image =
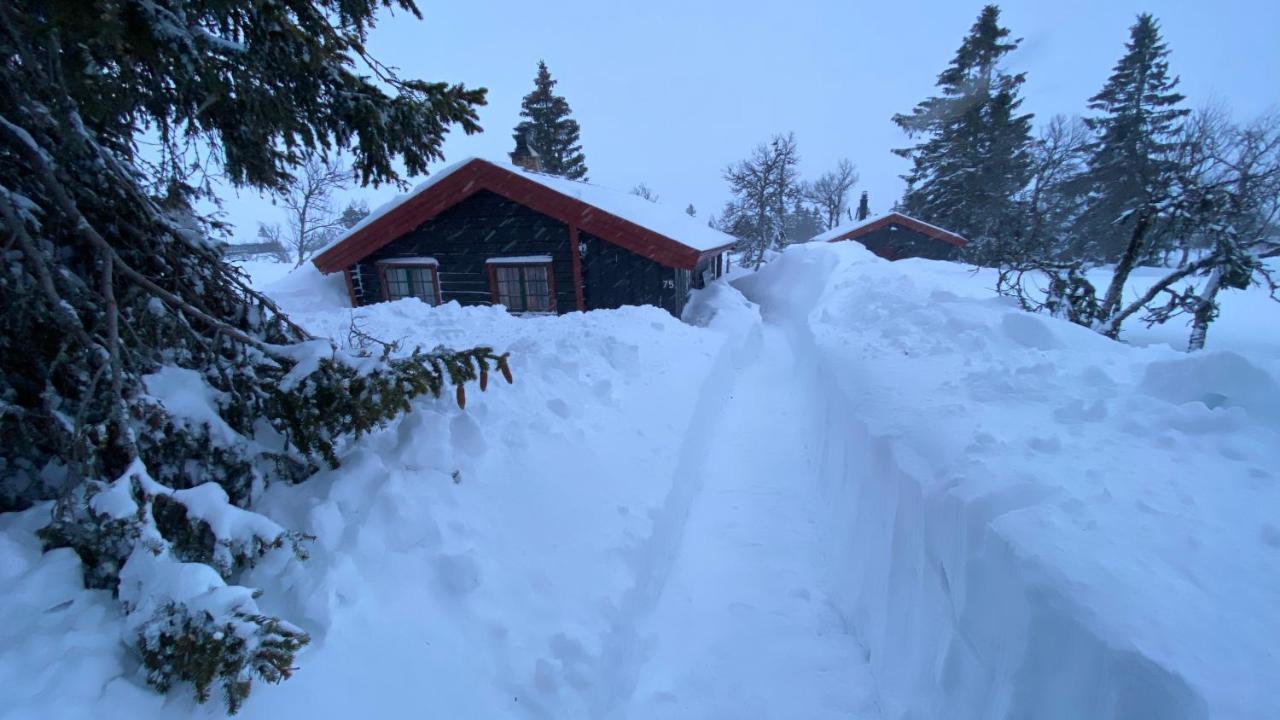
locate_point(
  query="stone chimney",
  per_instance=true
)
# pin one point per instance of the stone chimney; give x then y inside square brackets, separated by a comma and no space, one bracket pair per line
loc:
[524,156]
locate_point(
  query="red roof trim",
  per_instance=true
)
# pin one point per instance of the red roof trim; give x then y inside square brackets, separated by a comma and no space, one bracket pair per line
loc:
[906,221]
[478,175]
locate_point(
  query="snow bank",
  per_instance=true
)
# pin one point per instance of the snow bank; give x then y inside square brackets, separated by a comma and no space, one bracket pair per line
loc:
[1033,521]
[473,563]
[1020,519]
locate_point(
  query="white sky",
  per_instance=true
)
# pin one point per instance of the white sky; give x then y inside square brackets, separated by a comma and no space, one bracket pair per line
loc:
[670,92]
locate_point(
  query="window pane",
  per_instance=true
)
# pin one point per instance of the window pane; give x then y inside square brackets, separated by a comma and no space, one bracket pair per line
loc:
[509,293]
[419,282]
[397,283]
[424,286]
[537,289]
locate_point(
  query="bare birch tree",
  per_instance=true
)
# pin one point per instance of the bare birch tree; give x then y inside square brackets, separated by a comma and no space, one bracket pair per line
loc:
[762,187]
[313,218]
[830,192]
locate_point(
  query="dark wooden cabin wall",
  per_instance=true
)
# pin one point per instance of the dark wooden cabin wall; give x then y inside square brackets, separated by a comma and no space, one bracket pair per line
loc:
[614,277]
[462,238]
[895,243]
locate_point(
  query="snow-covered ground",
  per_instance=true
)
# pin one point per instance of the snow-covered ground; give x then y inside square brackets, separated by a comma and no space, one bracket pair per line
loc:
[847,488]
[1038,522]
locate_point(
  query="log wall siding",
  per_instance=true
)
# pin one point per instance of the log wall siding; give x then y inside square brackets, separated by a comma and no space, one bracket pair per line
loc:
[613,277]
[484,225]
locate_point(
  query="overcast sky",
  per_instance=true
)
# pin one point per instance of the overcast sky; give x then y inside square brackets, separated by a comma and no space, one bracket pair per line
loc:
[670,92]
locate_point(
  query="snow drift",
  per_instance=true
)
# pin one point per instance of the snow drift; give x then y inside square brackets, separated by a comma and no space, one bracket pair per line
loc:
[846,488]
[1032,521]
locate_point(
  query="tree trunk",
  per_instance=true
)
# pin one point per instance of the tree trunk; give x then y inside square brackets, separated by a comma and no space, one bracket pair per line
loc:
[1128,261]
[764,239]
[1206,311]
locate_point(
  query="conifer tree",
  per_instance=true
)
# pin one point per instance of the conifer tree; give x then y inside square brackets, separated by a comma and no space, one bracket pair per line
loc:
[1132,158]
[973,157]
[549,131]
[112,282]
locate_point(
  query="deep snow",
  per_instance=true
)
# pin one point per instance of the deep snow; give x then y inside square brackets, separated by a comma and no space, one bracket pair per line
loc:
[1038,522]
[847,488]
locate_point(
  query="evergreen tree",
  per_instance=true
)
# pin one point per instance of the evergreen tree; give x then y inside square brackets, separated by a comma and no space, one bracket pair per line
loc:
[352,215]
[802,223]
[973,158]
[691,211]
[1132,158]
[111,279]
[549,131]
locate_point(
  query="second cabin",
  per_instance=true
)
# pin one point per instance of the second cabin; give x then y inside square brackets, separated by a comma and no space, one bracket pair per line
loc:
[895,236]
[487,233]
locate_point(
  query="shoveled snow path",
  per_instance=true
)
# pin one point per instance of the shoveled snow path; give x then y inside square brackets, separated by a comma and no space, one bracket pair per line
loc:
[740,625]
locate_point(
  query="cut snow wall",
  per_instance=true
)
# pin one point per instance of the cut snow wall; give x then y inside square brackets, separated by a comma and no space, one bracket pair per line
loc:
[958,625]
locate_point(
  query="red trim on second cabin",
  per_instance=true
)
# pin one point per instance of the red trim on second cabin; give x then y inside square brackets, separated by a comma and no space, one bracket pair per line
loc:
[479,175]
[906,221]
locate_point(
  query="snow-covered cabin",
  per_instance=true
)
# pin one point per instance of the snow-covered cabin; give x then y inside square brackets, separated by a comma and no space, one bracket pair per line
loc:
[895,236]
[483,232]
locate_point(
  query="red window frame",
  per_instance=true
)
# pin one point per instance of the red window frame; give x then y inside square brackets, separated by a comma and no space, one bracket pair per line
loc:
[495,296]
[382,278]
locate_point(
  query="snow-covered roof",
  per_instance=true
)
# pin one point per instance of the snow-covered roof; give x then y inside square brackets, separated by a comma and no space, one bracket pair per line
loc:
[668,221]
[842,231]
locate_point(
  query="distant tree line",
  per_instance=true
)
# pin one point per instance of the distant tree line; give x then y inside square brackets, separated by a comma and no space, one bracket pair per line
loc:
[772,207]
[1140,180]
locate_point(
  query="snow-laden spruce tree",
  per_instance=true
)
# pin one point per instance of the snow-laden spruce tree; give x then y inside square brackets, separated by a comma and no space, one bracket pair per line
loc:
[1133,157]
[549,130]
[1155,179]
[114,293]
[1223,198]
[973,158]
